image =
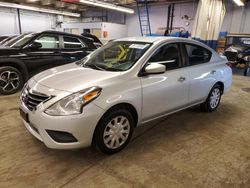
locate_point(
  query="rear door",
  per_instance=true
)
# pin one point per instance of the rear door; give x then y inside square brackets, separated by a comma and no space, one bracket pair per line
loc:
[202,74]
[166,92]
[73,49]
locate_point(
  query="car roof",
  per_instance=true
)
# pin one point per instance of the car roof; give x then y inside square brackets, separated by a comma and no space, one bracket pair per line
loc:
[60,33]
[152,39]
[164,39]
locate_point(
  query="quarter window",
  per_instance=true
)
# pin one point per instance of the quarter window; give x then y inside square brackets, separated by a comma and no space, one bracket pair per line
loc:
[48,41]
[168,55]
[197,54]
[71,42]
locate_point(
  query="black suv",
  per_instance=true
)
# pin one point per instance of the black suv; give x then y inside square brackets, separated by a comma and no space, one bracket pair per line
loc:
[35,52]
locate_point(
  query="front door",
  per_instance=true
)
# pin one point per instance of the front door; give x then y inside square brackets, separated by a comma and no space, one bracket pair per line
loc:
[45,57]
[167,92]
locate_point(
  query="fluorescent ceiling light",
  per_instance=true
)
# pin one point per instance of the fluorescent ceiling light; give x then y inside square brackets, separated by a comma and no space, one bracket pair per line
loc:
[239,2]
[107,5]
[23,7]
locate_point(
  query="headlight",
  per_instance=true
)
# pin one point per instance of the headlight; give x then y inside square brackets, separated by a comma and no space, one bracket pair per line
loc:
[73,104]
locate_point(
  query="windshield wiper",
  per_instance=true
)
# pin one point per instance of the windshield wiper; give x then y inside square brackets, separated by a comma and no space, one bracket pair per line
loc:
[96,67]
[93,66]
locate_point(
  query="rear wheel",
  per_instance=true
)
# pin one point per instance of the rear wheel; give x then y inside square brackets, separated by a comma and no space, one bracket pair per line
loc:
[213,100]
[11,80]
[114,131]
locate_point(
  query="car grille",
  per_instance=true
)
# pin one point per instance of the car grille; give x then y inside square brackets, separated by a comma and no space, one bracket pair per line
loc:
[231,56]
[31,99]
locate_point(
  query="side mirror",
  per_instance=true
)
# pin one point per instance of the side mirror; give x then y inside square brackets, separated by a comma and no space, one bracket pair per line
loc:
[155,68]
[35,46]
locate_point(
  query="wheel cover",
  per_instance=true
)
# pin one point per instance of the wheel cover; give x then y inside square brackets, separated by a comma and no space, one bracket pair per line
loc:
[9,81]
[116,132]
[215,98]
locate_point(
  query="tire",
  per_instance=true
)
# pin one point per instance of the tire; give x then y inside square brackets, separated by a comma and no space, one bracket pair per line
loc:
[113,130]
[213,99]
[11,80]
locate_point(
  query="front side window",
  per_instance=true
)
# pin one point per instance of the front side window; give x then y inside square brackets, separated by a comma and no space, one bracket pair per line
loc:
[197,54]
[71,42]
[116,56]
[168,55]
[48,41]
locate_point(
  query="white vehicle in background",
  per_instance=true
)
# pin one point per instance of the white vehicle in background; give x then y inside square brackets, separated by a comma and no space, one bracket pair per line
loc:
[128,82]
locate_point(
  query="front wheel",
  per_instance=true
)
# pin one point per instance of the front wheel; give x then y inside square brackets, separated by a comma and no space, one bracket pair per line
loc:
[213,99]
[11,80]
[114,131]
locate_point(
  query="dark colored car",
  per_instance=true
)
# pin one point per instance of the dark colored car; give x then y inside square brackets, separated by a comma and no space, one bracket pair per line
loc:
[238,52]
[35,52]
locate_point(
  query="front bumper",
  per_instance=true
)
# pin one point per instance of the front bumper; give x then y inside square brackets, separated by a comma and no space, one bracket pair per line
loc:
[81,126]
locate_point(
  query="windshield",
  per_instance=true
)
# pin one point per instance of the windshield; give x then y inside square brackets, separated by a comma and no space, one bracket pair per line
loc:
[20,40]
[116,56]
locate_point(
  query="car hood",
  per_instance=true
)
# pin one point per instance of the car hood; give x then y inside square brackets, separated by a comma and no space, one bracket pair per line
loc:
[73,78]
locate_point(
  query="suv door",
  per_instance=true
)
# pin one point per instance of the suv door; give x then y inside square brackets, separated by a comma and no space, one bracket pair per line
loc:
[45,55]
[201,72]
[73,49]
[166,92]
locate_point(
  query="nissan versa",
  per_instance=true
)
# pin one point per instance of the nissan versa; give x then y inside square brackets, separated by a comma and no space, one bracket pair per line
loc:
[100,99]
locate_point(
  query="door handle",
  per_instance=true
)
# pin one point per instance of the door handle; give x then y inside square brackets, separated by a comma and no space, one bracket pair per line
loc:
[213,72]
[181,79]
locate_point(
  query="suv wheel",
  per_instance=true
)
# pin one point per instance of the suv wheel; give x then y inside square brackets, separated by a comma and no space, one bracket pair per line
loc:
[11,80]
[213,99]
[114,131]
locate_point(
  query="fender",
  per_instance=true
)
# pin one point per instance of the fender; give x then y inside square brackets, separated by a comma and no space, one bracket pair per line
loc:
[17,63]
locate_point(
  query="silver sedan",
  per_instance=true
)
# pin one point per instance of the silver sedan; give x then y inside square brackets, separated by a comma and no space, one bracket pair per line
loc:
[100,99]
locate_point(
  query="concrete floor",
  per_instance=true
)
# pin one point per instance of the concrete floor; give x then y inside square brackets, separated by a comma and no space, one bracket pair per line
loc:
[187,149]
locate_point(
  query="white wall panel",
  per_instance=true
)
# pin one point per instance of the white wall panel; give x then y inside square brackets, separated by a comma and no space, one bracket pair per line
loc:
[237,19]
[35,22]
[8,21]
[30,21]
[115,31]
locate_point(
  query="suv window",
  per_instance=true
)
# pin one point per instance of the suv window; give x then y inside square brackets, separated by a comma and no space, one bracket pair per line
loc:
[71,42]
[197,54]
[48,41]
[168,55]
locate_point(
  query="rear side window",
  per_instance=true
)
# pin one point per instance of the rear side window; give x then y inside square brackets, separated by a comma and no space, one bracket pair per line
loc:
[48,41]
[168,55]
[71,42]
[197,54]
